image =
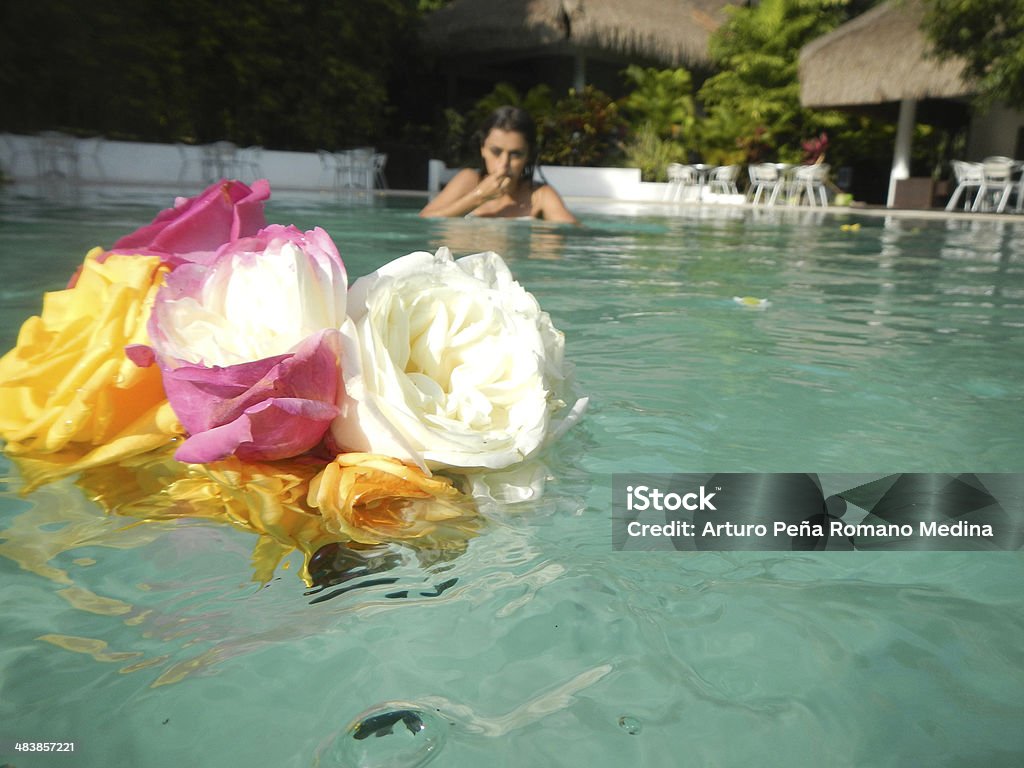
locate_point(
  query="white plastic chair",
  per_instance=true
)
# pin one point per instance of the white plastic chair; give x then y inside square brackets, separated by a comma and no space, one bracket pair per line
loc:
[723,180]
[438,174]
[380,160]
[1020,187]
[766,179]
[224,155]
[995,182]
[968,177]
[679,178]
[811,180]
[329,175]
[247,162]
[361,170]
[56,156]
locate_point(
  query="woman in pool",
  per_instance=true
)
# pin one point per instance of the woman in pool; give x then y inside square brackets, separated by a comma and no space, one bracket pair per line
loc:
[504,187]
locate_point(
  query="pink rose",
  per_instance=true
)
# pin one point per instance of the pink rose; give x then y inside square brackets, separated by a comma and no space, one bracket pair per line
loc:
[197,226]
[249,345]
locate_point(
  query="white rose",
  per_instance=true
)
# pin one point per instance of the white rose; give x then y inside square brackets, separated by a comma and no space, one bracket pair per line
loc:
[448,364]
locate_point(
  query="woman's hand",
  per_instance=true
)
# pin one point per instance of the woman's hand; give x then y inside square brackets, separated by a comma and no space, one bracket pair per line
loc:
[466,192]
[493,186]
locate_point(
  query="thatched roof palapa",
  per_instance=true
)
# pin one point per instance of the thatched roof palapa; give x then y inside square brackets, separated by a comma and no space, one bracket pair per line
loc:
[880,56]
[673,32]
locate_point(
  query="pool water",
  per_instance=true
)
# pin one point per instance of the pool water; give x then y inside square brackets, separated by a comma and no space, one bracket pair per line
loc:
[894,345]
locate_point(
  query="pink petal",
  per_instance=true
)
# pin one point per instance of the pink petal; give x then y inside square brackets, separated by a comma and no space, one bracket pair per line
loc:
[222,408]
[141,354]
[273,429]
[223,212]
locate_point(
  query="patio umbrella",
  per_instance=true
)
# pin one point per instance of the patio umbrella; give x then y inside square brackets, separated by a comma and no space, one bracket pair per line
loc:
[670,32]
[881,56]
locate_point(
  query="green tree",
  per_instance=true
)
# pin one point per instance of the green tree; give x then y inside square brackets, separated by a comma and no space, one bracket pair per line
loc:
[753,102]
[663,99]
[292,74]
[537,101]
[989,35]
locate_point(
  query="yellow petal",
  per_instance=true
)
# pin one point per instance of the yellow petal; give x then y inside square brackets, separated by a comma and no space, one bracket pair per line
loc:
[373,499]
[68,388]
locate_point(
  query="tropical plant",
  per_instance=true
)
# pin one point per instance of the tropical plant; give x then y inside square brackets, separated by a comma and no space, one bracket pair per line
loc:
[455,149]
[652,154]
[584,128]
[989,35]
[662,99]
[537,101]
[459,141]
[755,96]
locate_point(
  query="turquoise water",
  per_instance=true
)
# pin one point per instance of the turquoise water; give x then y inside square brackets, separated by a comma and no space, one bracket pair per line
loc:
[896,347]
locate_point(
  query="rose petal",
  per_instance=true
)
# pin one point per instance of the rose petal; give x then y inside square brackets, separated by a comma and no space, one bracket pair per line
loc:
[267,409]
[272,429]
[140,354]
[223,212]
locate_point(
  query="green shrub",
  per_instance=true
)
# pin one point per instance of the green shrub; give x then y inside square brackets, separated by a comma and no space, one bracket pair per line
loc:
[663,99]
[652,154]
[584,128]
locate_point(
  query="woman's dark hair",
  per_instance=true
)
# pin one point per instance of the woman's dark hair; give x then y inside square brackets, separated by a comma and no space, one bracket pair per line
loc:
[511,119]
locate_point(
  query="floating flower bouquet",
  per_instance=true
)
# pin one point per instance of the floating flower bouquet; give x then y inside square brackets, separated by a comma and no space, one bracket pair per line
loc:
[212,365]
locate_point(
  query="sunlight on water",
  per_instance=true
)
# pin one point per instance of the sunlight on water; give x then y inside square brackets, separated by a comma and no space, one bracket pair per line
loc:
[889,348]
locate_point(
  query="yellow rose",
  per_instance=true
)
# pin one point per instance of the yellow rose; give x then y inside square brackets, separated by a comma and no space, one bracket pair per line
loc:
[67,389]
[371,499]
[358,497]
[266,499]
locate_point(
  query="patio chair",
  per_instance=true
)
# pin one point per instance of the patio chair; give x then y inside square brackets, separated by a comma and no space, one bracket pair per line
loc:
[439,174]
[330,176]
[380,160]
[679,177]
[766,179]
[995,182]
[723,180]
[968,177]
[361,171]
[56,156]
[247,162]
[1020,189]
[811,180]
[1016,185]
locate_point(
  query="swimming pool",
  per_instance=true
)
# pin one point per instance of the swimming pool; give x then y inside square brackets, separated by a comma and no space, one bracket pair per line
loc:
[895,345]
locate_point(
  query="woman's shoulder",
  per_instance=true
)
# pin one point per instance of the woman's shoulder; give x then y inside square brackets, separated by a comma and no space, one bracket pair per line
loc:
[466,174]
[464,180]
[542,192]
[540,189]
[548,204]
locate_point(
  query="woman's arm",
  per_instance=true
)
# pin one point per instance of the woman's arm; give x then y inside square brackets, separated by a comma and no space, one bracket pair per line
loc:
[551,207]
[464,193]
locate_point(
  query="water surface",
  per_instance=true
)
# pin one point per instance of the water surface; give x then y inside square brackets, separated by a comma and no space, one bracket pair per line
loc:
[894,347]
